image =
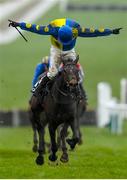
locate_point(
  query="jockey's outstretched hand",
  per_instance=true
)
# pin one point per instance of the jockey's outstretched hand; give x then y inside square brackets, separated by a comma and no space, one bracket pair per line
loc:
[13,23]
[116,31]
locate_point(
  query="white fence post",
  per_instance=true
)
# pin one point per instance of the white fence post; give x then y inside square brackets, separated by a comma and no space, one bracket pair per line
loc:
[104,94]
[15,118]
[63,5]
[123,91]
[116,119]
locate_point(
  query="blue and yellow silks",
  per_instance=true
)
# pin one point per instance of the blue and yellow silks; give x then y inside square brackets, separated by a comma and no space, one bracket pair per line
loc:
[53,28]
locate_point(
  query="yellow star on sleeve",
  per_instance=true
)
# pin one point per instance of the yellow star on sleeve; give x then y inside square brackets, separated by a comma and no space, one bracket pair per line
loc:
[38,27]
[92,30]
[28,25]
[75,32]
[101,29]
[46,29]
[83,29]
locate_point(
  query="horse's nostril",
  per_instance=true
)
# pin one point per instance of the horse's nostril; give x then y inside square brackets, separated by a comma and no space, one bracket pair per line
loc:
[73,82]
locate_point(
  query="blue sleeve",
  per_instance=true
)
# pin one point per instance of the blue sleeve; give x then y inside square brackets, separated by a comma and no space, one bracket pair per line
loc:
[90,32]
[43,30]
[40,68]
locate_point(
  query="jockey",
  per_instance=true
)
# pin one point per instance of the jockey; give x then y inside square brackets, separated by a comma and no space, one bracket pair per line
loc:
[64,33]
[39,70]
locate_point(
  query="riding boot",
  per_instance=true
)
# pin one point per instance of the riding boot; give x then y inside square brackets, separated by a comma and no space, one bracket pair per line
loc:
[40,90]
[83,100]
[81,93]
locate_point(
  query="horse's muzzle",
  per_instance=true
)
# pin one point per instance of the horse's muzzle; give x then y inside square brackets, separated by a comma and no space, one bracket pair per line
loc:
[73,82]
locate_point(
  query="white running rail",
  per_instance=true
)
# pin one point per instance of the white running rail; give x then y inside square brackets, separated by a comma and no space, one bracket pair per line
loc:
[33,14]
[109,110]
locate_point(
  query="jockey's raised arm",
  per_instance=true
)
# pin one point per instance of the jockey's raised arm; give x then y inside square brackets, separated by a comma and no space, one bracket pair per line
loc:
[91,32]
[43,30]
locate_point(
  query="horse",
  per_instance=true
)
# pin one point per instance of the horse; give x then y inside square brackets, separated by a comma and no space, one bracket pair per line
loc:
[60,107]
[41,115]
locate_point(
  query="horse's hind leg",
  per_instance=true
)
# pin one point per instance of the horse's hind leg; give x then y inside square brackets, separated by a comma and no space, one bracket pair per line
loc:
[72,142]
[40,158]
[63,134]
[35,140]
[54,148]
[33,105]
[80,137]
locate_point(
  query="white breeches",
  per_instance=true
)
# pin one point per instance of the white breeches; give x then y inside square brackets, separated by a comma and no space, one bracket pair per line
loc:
[55,59]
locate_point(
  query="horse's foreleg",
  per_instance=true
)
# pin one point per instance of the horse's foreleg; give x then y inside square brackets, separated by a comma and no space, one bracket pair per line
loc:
[40,158]
[54,148]
[63,134]
[80,110]
[58,137]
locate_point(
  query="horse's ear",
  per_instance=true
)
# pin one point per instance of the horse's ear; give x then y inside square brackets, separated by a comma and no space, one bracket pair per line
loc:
[77,58]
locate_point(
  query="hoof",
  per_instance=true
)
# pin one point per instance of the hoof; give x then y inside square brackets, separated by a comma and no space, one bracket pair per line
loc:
[53,163]
[64,158]
[40,160]
[72,142]
[52,157]
[35,148]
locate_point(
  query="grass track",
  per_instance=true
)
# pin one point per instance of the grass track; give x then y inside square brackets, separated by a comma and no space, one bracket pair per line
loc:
[101,156]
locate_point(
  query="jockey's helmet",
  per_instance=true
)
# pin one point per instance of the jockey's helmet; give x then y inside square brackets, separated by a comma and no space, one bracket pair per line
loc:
[65,35]
[45,59]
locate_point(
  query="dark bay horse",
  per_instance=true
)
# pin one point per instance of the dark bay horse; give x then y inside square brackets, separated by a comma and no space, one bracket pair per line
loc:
[60,106]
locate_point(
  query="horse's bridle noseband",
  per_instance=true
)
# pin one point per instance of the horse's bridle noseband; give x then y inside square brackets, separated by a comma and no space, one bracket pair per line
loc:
[71,80]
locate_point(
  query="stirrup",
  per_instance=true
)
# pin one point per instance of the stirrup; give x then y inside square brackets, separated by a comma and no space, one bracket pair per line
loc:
[33,89]
[35,86]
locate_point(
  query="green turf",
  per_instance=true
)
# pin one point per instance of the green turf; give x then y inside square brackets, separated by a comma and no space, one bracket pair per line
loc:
[102,155]
[104,59]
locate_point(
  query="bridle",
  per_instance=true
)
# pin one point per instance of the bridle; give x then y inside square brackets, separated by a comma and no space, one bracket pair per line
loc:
[71,74]
[70,77]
